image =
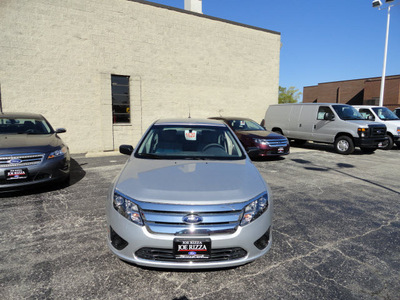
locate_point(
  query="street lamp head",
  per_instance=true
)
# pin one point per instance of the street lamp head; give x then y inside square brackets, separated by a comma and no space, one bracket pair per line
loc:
[377,3]
[388,1]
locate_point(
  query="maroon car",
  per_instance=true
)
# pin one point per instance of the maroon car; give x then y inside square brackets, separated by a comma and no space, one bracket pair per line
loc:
[256,139]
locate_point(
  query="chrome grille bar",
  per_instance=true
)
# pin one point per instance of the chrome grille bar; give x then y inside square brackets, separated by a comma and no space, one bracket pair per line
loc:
[28,159]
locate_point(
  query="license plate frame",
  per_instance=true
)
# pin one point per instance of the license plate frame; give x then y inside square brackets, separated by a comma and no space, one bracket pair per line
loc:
[192,249]
[281,150]
[16,174]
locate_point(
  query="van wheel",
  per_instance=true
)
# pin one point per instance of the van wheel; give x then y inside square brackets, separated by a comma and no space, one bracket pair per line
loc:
[388,144]
[344,145]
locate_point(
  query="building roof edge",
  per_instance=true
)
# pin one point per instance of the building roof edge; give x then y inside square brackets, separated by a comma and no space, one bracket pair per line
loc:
[204,16]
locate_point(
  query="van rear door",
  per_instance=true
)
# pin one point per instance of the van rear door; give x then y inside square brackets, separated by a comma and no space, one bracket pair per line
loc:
[301,121]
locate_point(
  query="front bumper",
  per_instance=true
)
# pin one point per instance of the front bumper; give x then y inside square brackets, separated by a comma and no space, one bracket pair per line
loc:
[369,142]
[139,240]
[49,170]
[264,150]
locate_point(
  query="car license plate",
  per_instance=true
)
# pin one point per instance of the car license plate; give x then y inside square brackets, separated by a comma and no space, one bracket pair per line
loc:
[16,174]
[281,150]
[192,248]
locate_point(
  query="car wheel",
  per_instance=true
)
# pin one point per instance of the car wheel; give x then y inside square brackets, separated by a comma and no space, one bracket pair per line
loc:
[388,144]
[344,145]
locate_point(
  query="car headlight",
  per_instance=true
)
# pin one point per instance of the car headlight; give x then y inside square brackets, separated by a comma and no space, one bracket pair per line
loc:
[60,152]
[261,141]
[363,132]
[128,209]
[255,209]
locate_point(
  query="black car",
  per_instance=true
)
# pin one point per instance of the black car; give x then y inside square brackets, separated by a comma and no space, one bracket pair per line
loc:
[31,152]
[256,139]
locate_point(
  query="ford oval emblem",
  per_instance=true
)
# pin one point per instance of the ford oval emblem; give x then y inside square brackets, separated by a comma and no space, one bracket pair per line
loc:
[15,161]
[192,219]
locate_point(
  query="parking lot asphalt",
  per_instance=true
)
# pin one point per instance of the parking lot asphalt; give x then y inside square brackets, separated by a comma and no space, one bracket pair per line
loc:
[336,235]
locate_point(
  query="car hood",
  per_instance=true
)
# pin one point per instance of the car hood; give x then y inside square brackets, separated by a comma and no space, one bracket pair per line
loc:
[365,122]
[25,143]
[260,134]
[190,182]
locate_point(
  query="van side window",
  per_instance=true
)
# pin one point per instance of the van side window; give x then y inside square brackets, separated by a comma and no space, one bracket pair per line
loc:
[322,111]
[366,113]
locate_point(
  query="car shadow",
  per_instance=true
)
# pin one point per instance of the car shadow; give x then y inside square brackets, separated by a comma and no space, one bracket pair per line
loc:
[328,148]
[268,158]
[77,174]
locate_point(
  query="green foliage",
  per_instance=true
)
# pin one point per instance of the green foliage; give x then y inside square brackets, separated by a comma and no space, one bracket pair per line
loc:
[289,95]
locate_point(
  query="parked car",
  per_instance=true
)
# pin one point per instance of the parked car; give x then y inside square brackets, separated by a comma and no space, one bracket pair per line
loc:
[31,152]
[188,198]
[256,139]
[386,116]
[332,123]
[397,112]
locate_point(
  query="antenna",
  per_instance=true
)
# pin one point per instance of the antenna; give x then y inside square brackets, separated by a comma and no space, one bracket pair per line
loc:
[189,111]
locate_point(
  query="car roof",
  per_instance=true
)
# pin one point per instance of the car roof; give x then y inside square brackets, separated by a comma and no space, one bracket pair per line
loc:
[366,106]
[20,115]
[189,121]
[230,118]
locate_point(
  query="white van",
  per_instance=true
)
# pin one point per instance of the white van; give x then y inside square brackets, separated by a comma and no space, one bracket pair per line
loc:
[338,124]
[386,116]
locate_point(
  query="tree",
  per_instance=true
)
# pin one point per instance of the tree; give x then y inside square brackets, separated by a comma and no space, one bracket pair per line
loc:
[288,95]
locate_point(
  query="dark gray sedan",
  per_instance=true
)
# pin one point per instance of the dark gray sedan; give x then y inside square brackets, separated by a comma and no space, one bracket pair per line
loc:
[31,152]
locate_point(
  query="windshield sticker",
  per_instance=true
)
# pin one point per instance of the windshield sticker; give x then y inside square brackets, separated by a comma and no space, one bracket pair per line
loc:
[190,135]
[242,123]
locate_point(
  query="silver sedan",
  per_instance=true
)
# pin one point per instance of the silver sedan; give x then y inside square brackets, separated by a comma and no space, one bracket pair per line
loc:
[189,197]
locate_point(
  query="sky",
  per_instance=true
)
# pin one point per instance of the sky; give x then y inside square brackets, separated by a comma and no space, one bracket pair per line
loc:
[323,40]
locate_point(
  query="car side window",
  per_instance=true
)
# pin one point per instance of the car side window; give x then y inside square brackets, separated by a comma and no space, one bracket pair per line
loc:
[366,113]
[322,110]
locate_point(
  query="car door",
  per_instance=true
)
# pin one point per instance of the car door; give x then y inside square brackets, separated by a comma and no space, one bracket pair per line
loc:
[367,114]
[324,128]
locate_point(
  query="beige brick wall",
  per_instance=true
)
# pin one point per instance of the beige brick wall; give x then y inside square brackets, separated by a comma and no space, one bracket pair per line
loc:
[57,58]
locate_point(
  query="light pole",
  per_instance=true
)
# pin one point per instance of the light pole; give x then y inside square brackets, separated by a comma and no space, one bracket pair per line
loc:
[378,3]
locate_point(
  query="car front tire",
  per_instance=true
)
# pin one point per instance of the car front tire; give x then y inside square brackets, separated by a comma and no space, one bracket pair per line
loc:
[344,145]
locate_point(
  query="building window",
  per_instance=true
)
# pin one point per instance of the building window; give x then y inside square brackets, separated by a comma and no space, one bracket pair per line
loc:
[121,106]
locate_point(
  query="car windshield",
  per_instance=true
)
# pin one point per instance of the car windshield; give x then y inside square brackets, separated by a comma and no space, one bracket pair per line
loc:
[189,142]
[346,112]
[385,113]
[245,125]
[24,126]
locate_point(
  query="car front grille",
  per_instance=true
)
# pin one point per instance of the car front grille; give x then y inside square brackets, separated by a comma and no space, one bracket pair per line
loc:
[378,131]
[171,218]
[278,143]
[20,160]
[157,254]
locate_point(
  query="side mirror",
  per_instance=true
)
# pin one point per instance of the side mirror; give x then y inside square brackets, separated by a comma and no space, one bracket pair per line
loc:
[61,130]
[329,116]
[371,118]
[126,149]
